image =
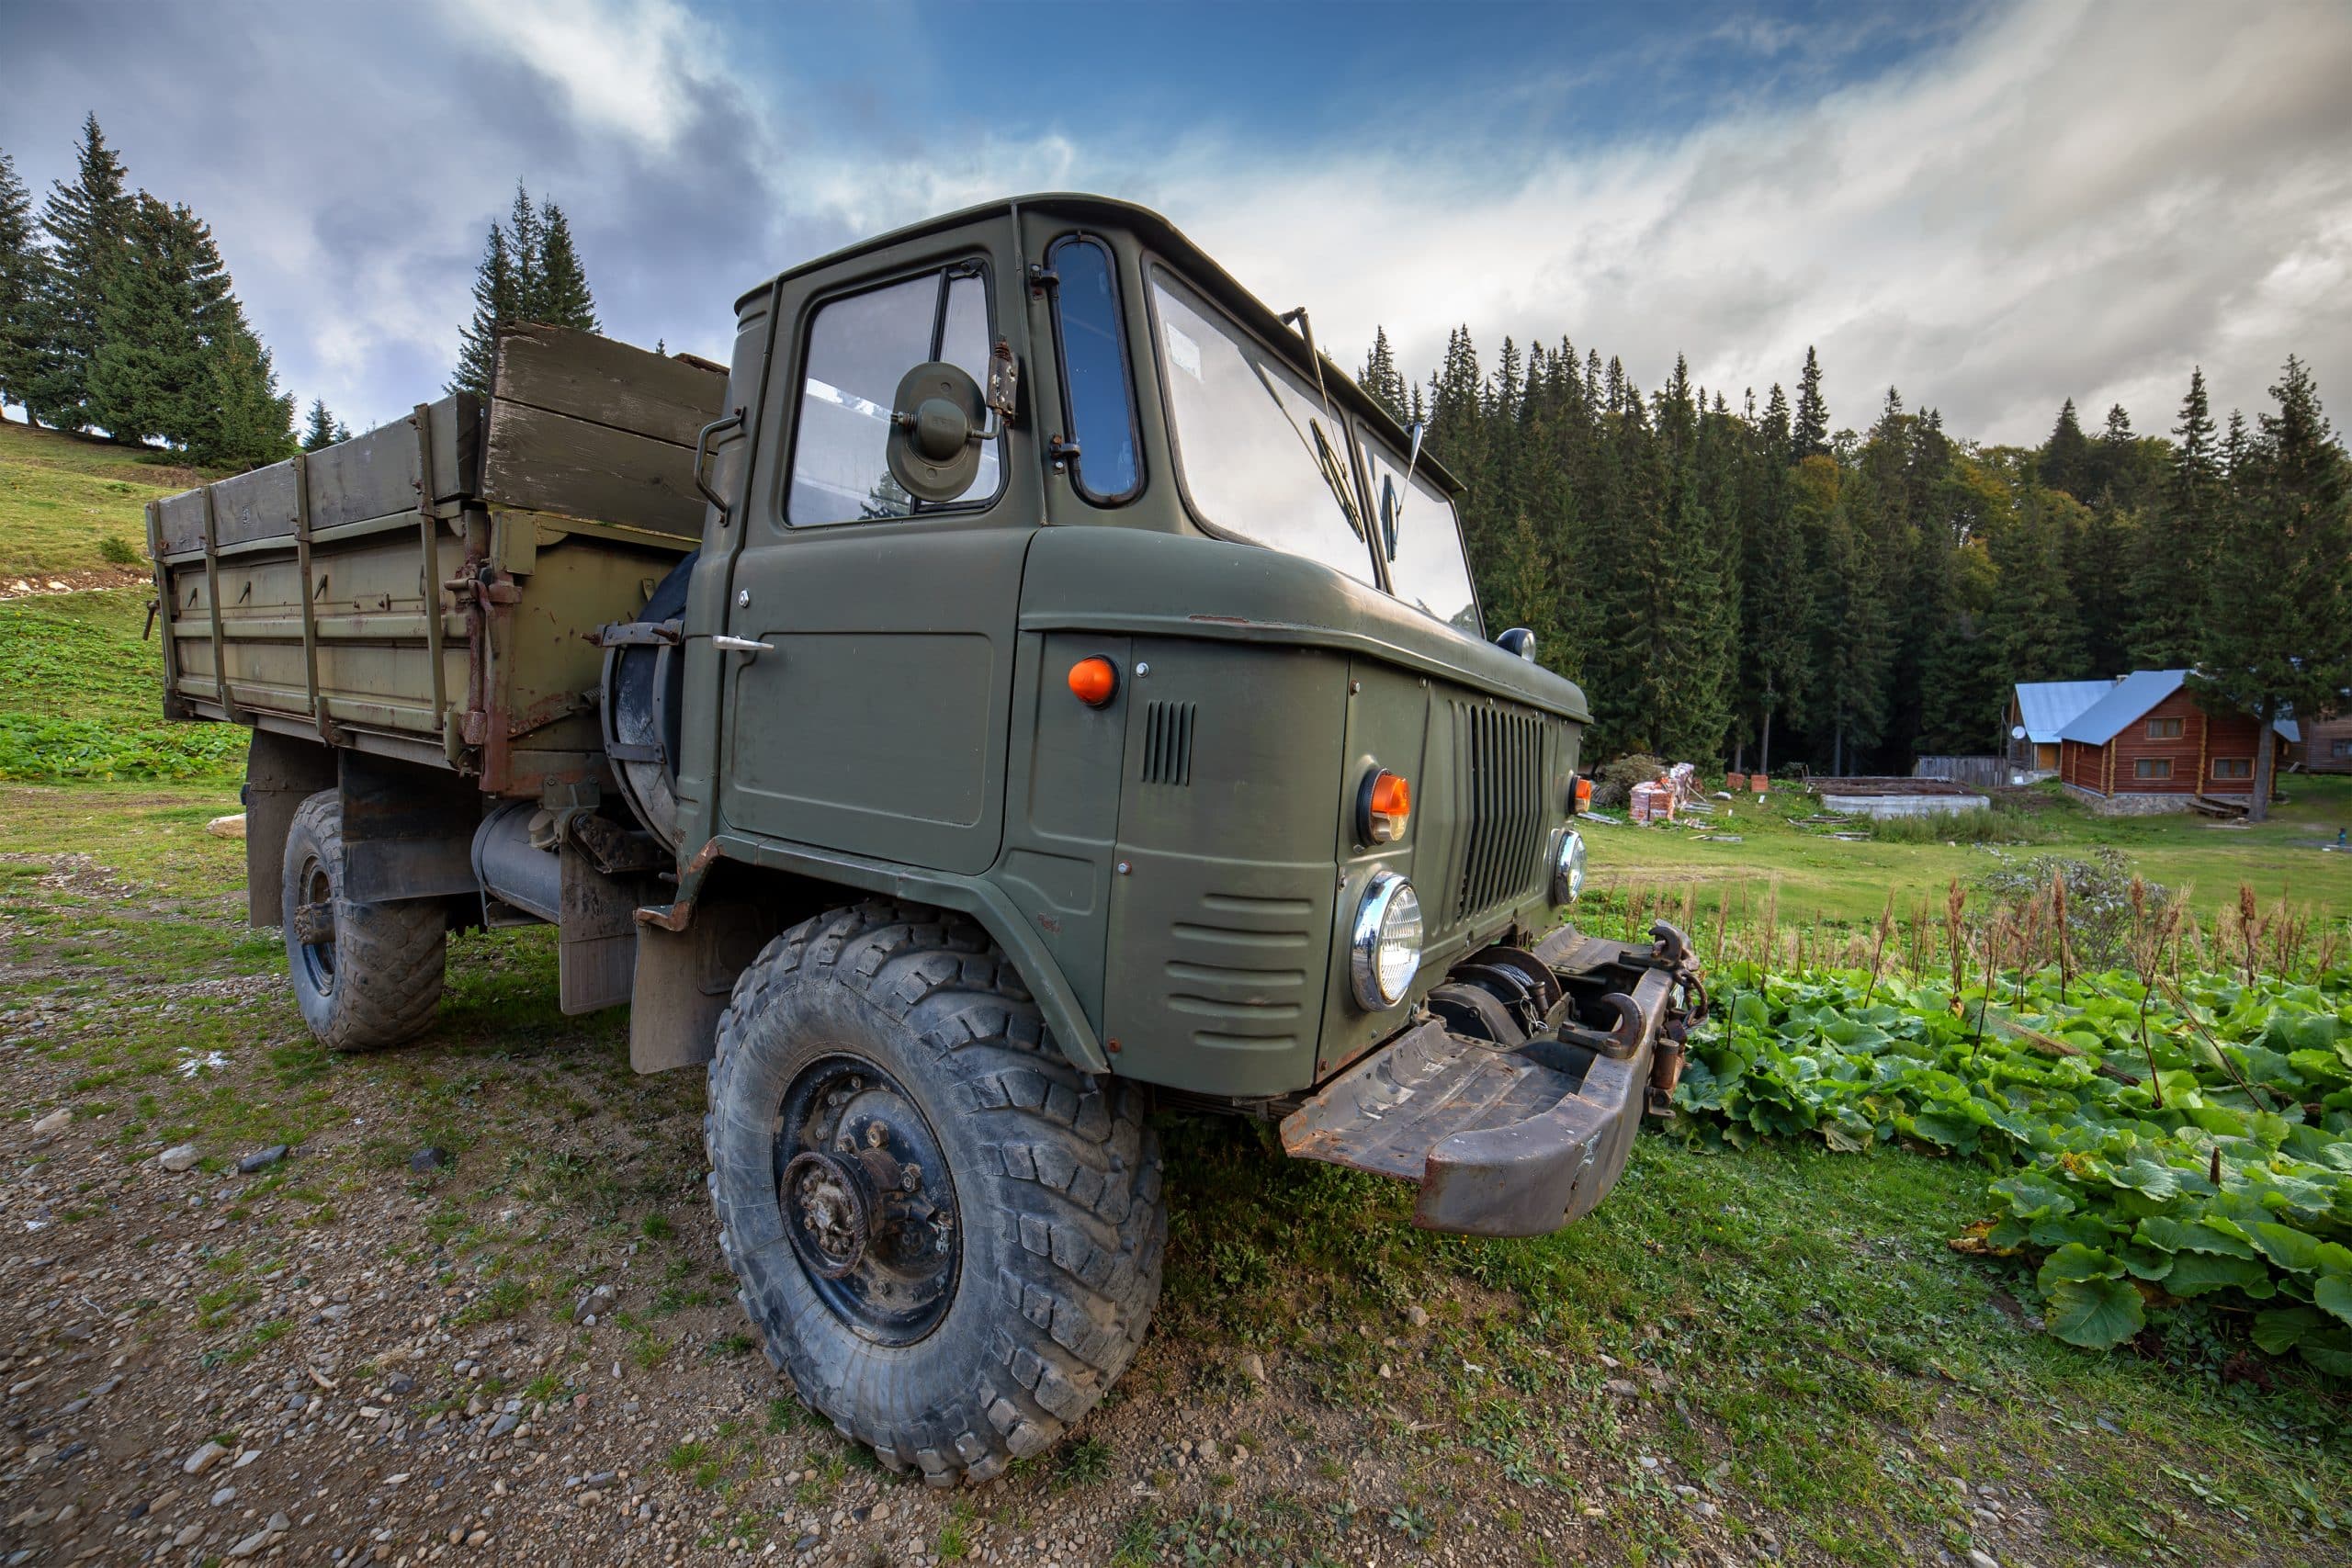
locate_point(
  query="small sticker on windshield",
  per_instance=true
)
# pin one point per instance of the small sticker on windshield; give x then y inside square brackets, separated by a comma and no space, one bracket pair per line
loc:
[1184,354]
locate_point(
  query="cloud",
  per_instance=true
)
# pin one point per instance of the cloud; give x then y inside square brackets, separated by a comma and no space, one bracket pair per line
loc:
[621,65]
[2030,203]
[2069,202]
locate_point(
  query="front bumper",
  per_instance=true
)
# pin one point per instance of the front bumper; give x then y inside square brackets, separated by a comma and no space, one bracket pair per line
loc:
[1524,1127]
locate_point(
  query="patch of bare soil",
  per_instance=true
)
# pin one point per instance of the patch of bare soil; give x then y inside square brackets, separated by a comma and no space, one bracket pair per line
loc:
[37,585]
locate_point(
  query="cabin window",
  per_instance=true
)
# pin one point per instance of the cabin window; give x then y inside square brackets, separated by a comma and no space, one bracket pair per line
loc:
[860,347]
[1095,389]
[2165,728]
[2340,748]
[2233,767]
[2153,767]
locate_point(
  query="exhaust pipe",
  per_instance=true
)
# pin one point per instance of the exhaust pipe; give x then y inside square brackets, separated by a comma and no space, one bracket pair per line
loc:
[512,869]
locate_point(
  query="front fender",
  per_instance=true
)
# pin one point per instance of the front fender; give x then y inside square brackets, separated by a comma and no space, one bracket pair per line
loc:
[979,899]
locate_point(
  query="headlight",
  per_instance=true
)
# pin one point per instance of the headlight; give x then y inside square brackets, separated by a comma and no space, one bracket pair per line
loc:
[1568,871]
[1384,949]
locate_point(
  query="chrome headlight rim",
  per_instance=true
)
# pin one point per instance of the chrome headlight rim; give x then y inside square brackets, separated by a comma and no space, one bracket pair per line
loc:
[1568,868]
[1380,896]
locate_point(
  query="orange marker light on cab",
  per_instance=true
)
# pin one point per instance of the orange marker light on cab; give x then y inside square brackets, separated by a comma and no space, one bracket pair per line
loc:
[1384,807]
[1093,680]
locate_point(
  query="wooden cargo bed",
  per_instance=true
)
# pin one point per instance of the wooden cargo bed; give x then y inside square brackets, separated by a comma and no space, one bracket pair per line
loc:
[430,589]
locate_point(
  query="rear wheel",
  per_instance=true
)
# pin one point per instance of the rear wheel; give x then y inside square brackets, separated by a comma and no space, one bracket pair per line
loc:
[950,1237]
[366,975]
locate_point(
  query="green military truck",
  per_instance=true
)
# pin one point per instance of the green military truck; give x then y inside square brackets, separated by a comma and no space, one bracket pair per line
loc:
[1028,686]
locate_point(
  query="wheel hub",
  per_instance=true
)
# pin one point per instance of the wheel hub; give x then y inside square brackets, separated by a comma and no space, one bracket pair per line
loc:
[862,1189]
[313,927]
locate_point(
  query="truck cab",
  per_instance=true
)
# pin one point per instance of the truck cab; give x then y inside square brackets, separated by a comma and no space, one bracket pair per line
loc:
[1187,505]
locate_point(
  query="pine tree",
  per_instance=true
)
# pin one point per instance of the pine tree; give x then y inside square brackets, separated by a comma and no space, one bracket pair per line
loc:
[1380,375]
[2066,455]
[320,429]
[1776,602]
[87,223]
[563,300]
[2279,635]
[2036,631]
[147,380]
[526,251]
[496,307]
[23,277]
[530,273]
[251,422]
[2170,572]
[1810,436]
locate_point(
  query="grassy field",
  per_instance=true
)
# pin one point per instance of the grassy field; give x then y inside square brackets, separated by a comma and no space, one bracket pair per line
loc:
[1849,881]
[68,503]
[1773,1354]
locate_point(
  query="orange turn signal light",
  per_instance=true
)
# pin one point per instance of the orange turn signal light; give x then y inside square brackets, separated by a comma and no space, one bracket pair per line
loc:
[1093,680]
[1384,807]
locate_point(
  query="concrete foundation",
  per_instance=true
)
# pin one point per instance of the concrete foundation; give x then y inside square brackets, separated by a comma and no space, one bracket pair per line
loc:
[2128,804]
[1903,805]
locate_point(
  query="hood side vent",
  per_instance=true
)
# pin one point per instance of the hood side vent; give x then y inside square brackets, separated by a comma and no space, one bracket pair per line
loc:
[1168,743]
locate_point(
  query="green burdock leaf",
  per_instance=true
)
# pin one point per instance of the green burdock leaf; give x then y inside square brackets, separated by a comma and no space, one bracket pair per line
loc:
[2287,1246]
[2321,1066]
[2194,1273]
[2031,1195]
[2144,1175]
[2281,1329]
[1945,1125]
[2074,1263]
[2096,1314]
[2330,1351]
[2333,1292]
[2060,1229]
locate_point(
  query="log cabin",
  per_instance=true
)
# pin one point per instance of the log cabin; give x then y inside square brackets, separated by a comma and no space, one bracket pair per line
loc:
[2147,746]
[2039,711]
[2327,745]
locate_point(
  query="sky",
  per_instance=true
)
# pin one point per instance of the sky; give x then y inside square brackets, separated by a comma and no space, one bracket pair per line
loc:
[1990,206]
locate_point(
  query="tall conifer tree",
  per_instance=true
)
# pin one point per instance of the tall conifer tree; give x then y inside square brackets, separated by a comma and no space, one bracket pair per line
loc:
[563,298]
[24,268]
[496,307]
[2170,568]
[87,223]
[2278,636]
[1809,437]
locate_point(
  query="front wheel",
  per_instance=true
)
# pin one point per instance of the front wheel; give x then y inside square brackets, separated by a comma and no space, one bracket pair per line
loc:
[950,1237]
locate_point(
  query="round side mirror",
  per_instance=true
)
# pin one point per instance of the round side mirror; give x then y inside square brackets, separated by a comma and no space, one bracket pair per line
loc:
[1518,640]
[936,421]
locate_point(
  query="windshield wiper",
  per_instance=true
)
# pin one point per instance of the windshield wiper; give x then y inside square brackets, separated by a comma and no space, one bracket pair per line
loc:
[1318,446]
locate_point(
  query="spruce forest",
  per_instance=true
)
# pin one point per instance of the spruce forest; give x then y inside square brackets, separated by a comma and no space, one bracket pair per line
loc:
[1754,585]
[118,315]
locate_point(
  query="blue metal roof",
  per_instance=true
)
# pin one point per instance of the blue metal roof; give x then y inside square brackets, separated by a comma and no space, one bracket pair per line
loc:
[2128,698]
[2045,708]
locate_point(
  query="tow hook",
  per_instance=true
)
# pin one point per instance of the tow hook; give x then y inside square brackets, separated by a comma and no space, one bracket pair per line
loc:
[1671,951]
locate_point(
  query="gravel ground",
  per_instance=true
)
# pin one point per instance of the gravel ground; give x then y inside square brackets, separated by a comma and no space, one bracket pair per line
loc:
[465,1300]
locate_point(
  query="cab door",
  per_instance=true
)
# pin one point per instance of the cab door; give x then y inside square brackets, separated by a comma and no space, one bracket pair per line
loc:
[873,716]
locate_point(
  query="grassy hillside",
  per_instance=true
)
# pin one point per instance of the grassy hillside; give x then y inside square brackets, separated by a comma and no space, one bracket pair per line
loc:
[82,696]
[68,503]
[1841,879]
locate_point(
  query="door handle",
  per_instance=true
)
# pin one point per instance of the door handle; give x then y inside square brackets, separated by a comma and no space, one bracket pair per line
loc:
[741,645]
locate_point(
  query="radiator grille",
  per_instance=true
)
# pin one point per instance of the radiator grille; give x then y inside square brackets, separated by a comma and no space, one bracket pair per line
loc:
[1499,760]
[1168,743]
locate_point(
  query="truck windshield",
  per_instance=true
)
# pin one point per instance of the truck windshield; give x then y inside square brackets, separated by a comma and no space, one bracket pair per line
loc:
[1259,457]
[1426,565]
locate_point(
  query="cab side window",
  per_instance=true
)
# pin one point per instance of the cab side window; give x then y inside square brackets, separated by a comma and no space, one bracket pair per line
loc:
[1092,335]
[860,347]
